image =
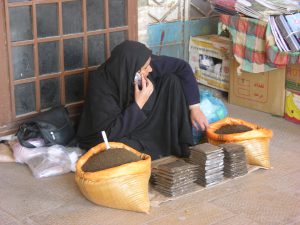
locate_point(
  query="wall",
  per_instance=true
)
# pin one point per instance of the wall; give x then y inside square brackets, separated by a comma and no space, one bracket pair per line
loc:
[165,26]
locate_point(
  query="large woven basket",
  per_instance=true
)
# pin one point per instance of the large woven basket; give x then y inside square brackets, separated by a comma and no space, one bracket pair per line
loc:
[256,141]
[121,187]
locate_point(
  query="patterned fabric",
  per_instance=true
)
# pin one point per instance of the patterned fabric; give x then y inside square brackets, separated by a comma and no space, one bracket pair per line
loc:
[254,46]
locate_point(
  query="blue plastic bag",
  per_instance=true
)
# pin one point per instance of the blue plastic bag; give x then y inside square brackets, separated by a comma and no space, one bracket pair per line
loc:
[212,107]
[214,110]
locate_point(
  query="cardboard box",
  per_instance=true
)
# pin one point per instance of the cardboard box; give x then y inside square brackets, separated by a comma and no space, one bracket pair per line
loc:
[261,91]
[209,57]
[292,97]
[292,106]
[293,77]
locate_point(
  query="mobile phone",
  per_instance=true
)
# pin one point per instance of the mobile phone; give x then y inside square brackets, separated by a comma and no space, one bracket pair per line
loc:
[138,79]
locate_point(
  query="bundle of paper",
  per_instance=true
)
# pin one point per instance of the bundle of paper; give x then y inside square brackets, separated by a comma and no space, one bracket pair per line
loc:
[278,35]
[175,178]
[235,163]
[259,9]
[286,31]
[292,22]
[283,6]
[252,9]
[210,161]
[224,6]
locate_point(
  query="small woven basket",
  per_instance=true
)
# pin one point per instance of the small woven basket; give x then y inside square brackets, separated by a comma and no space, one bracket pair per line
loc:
[256,141]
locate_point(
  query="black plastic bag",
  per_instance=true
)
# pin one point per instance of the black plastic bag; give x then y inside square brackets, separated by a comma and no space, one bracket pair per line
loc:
[54,126]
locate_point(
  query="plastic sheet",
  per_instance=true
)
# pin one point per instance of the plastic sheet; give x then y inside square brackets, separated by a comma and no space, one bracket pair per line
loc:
[212,107]
[47,161]
[214,110]
[53,161]
[23,154]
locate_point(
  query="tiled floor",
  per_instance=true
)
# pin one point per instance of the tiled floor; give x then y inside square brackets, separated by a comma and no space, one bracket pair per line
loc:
[262,197]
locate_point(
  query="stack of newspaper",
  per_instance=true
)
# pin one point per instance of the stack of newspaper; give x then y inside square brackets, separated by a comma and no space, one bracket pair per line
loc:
[286,31]
[259,9]
[224,6]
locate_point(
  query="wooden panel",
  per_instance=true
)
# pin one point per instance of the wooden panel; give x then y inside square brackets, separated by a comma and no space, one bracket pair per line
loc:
[167,38]
[132,19]
[9,119]
[165,33]
[5,115]
[173,38]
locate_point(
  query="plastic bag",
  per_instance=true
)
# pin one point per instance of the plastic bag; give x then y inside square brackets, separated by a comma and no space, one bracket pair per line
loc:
[212,107]
[214,110]
[23,154]
[53,160]
[74,154]
[121,187]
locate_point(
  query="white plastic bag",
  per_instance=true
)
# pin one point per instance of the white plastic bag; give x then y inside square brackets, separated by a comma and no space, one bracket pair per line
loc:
[54,161]
[74,153]
[23,154]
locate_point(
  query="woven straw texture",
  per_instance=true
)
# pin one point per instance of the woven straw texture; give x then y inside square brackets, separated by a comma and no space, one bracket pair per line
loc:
[256,141]
[121,187]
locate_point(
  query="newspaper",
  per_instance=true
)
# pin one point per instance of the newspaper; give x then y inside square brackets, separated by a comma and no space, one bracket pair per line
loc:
[259,9]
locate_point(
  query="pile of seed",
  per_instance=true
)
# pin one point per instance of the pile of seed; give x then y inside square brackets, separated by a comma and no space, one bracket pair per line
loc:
[232,129]
[108,159]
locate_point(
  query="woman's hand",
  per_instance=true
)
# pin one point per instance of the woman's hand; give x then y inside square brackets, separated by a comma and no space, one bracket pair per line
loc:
[142,95]
[198,117]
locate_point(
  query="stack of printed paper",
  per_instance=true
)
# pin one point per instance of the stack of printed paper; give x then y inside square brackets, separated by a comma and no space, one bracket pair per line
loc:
[259,9]
[286,31]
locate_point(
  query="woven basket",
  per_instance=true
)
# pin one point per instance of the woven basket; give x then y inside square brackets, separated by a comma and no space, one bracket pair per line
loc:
[121,187]
[256,141]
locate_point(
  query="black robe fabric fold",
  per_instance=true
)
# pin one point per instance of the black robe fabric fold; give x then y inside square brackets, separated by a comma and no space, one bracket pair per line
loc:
[167,130]
[161,128]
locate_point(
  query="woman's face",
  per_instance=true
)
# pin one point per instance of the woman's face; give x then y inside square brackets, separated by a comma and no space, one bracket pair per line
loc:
[146,69]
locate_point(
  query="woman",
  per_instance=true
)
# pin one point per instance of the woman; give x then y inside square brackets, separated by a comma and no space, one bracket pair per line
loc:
[152,115]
